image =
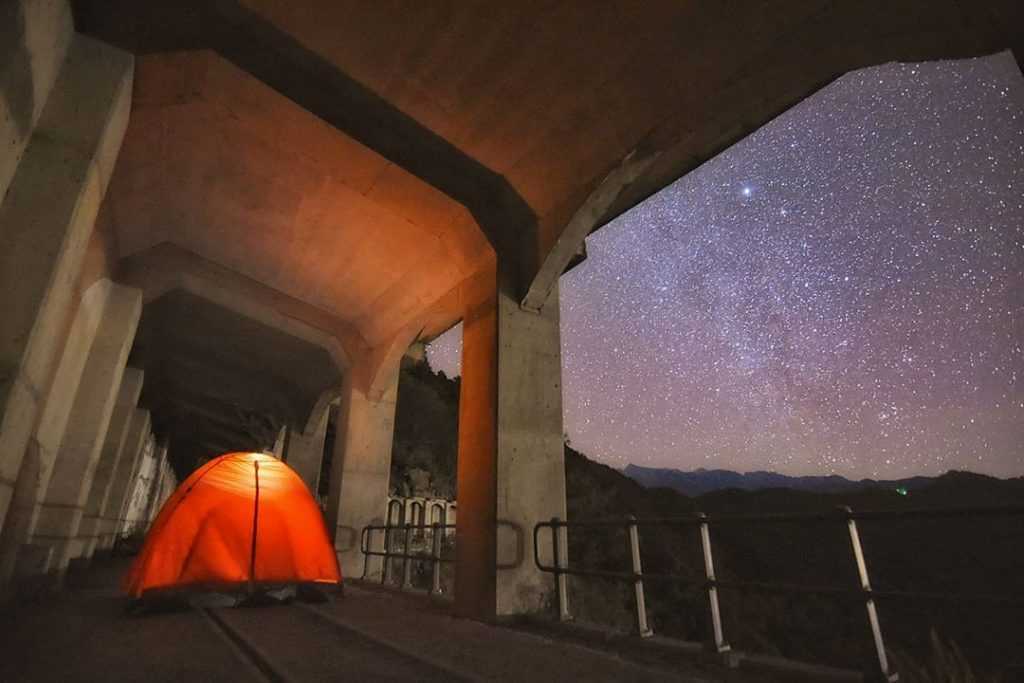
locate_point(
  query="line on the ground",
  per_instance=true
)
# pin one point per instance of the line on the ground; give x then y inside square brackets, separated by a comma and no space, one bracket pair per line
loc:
[445,668]
[246,652]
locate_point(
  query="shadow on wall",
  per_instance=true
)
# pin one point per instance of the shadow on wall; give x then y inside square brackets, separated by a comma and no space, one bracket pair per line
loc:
[16,79]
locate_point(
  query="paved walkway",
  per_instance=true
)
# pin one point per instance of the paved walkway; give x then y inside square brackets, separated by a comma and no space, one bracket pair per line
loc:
[84,634]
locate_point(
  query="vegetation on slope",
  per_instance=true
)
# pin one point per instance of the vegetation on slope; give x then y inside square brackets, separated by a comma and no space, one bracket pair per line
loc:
[942,556]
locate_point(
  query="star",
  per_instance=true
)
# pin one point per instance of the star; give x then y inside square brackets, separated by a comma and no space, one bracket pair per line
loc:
[864,322]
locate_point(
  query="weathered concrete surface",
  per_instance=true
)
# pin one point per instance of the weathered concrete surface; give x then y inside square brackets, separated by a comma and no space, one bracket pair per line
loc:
[62,507]
[110,458]
[305,451]
[366,636]
[166,267]
[85,635]
[113,514]
[545,113]
[291,197]
[34,37]
[360,468]
[511,470]
[160,488]
[45,220]
[41,451]
[133,516]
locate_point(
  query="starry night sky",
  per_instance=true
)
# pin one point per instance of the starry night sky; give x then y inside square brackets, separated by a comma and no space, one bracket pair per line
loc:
[842,291]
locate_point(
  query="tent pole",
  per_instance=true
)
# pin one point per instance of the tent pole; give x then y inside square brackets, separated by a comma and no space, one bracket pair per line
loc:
[255,526]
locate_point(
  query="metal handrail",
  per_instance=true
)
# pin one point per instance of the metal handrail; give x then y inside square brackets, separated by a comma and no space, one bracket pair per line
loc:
[434,557]
[711,584]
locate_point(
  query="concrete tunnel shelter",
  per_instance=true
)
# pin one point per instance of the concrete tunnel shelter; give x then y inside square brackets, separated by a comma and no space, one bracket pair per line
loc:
[220,217]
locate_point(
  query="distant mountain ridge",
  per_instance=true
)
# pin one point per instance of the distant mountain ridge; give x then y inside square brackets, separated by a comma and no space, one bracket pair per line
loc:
[700,481]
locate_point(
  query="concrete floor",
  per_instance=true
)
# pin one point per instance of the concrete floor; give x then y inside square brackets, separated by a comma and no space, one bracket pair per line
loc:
[84,634]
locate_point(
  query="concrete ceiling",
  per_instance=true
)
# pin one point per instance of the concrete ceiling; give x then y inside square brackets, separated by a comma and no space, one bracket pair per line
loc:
[347,165]
[221,165]
[220,381]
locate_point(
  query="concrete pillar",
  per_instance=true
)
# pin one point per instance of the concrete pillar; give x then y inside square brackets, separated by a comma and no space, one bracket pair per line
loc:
[41,451]
[111,459]
[114,513]
[45,221]
[281,442]
[153,500]
[511,469]
[361,467]
[134,517]
[62,507]
[305,451]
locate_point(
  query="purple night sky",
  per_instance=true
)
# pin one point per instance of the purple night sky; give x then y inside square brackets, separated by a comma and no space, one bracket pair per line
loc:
[842,291]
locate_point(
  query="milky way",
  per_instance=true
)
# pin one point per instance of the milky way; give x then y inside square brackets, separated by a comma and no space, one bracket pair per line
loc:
[842,291]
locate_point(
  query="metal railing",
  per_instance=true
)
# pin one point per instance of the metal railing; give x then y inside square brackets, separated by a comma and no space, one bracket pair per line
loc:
[710,583]
[435,557]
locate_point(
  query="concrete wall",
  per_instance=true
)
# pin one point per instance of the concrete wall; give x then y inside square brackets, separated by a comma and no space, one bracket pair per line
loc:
[51,202]
[70,480]
[111,459]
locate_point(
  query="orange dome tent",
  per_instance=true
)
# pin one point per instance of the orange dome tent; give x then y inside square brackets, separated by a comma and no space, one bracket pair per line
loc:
[242,519]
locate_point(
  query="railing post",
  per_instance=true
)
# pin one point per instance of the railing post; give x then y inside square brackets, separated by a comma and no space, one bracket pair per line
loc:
[366,556]
[719,643]
[435,564]
[560,553]
[865,584]
[638,582]
[386,558]
[406,563]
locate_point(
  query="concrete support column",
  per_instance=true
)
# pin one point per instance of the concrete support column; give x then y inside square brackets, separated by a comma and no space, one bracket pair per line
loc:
[45,220]
[153,500]
[112,458]
[281,442]
[62,506]
[361,467]
[134,517]
[114,512]
[41,451]
[511,468]
[305,452]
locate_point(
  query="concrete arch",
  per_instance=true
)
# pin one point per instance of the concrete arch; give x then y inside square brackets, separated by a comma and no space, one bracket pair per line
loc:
[166,267]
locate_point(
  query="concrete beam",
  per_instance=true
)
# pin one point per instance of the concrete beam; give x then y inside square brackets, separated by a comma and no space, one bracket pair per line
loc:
[45,221]
[829,43]
[62,507]
[111,459]
[583,222]
[283,63]
[34,38]
[166,267]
